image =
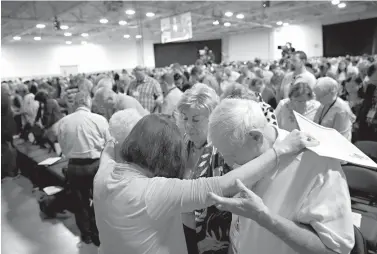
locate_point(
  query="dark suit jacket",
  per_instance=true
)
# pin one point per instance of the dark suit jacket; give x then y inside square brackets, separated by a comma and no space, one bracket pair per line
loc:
[51,115]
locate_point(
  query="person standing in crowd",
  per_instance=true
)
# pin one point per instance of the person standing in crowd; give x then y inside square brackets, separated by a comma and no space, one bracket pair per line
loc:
[124,82]
[301,99]
[341,73]
[238,91]
[82,136]
[8,129]
[245,75]
[302,206]
[367,119]
[107,102]
[181,82]
[146,90]
[198,75]
[206,229]
[49,113]
[277,78]
[299,74]
[141,201]
[85,85]
[30,109]
[262,92]
[334,112]
[172,94]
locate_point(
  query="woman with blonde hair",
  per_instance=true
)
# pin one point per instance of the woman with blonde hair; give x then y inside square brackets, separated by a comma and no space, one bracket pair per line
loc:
[206,229]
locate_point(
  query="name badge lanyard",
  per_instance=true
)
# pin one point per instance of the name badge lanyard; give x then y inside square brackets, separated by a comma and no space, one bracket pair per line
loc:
[323,115]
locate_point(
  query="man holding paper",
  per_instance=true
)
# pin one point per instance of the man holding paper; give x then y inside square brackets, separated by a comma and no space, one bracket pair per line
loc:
[303,206]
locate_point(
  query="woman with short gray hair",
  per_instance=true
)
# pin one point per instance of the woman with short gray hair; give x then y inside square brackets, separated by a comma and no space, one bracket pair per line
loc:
[334,112]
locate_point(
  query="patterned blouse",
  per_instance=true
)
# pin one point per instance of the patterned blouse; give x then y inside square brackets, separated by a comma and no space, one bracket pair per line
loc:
[212,225]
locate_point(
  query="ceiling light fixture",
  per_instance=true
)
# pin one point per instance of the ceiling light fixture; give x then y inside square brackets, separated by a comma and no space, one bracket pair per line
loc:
[64,27]
[216,22]
[285,24]
[40,26]
[130,12]
[138,36]
[227,24]
[84,43]
[342,5]
[240,16]
[279,23]
[84,35]
[37,38]
[127,36]
[67,34]
[68,42]
[122,22]
[103,21]
[149,14]
[229,14]
[335,2]
[16,38]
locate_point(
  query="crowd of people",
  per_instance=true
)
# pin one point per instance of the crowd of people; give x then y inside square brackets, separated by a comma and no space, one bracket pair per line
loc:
[205,158]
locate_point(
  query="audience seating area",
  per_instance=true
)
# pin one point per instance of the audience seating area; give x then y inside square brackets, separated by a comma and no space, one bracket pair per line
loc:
[29,156]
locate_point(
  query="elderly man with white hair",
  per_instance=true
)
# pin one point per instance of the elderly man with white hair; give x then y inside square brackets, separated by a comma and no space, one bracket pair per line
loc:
[334,112]
[107,102]
[302,206]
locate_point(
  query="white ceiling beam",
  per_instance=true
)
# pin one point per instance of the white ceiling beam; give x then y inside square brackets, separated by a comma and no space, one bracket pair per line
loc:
[30,28]
[67,22]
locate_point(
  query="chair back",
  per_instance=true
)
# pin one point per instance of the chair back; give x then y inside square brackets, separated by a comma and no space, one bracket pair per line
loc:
[360,246]
[369,148]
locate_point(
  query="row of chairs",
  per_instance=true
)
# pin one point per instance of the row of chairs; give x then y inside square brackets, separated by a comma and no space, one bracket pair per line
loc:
[362,184]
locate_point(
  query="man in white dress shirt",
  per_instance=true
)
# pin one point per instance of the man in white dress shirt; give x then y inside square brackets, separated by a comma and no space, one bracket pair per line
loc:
[303,206]
[82,136]
[171,93]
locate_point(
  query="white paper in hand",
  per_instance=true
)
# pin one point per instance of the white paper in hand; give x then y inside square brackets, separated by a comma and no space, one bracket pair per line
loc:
[51,190]
[333,144]
[49,161]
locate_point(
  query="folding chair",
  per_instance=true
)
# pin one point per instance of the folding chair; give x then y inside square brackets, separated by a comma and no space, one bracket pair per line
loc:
[362,183]
[369,148]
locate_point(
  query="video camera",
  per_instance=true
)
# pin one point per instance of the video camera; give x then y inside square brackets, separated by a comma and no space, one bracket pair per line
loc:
[287,50]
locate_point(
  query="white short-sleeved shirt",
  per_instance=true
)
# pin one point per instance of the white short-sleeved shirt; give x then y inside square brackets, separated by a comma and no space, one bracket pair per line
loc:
[310,190]
[139,215]
[291,79]
[171,101]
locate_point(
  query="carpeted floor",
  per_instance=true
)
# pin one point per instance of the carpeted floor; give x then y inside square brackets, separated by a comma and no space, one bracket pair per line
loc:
[25,231]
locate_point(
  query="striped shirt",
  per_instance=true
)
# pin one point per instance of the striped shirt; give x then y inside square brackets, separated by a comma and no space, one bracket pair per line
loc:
[146,92]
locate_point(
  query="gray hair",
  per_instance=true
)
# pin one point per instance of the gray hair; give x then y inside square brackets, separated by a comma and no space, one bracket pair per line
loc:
[82,99]
[327,85]
[238,91]
[122,122]
[99,99]
[104,83]
[85,85]
[234,118]
[199,96]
